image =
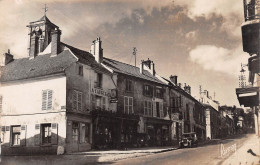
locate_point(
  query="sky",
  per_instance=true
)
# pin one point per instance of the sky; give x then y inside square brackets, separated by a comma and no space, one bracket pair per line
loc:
[197,40]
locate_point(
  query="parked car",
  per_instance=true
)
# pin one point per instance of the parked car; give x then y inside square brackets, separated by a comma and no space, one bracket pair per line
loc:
[188,140]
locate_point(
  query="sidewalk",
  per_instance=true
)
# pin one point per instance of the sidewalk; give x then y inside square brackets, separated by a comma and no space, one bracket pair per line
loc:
[114,155]
[242,157]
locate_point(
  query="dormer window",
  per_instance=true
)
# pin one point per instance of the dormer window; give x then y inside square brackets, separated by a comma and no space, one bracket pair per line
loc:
[98,83]
[80,70]
[129,86]
[159,93]
[148,90]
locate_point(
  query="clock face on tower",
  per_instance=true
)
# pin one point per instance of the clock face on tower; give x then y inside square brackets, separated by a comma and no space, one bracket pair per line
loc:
[38,31]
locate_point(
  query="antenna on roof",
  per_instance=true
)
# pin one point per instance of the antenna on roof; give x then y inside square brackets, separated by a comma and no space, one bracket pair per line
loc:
[134,53]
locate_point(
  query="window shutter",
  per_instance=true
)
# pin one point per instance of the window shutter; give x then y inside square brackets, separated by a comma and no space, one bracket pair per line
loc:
[154,109]
[37,135]
[54,133]
[1,103]
[44,100]
[161,110]
[79,101]
[145,107]
[131,105]
[74,100]
[7,137]
[49,104]
[125,104]
[23,135]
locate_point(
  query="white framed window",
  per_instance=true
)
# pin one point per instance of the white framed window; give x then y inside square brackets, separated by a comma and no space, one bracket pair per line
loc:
[161,110]
[99,102]
[148,108]
[15,135]
[128,105]
[46,133]
[47,99]
[77,100]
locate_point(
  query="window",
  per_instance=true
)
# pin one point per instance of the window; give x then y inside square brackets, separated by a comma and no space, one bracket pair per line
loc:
[75,132]
[103,103]
[80,70]
[77,100]
[1,103]
[128,105]
[98,102]
[129,86]
[84,134]
[159,109]
[187,112]
[148,108]
[16,133]
[46,133]
[47,99]
[159,93]
[98,83]
[148,90]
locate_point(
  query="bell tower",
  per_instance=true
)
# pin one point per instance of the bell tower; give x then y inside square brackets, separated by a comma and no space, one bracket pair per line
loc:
[39,35]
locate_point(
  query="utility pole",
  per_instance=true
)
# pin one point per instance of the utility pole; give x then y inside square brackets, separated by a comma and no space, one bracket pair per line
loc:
[134,53]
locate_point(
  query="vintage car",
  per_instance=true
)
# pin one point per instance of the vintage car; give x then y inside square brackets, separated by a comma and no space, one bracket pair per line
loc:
[188,140]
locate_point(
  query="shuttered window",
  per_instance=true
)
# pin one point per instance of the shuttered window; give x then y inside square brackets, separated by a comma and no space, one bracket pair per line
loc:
[128,105]
[148,111]
[76,100]
[47,99]
[1,103]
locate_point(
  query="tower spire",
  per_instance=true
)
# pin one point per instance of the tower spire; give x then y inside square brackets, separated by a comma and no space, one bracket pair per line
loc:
[45,9]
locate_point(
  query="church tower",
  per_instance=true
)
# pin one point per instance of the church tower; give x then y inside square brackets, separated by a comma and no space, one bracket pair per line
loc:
[40,34]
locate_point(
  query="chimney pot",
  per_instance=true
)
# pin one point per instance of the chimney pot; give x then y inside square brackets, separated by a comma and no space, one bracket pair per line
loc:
[7,58]
[174,79]
[55,42]
[98,51]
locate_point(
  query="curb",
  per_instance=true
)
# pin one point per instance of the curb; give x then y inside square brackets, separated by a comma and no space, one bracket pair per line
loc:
[133,152]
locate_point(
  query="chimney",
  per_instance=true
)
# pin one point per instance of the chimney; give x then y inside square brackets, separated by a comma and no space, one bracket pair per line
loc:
[98,51]
[33,47]
[142,67]
[7,58]
[92,49]
[55,42]
[187,89]
[174,79]
[179,84]
[152,68]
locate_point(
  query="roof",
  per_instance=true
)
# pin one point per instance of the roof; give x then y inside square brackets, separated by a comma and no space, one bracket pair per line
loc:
[45,19]
[130,70]
[43,65]
[183,92]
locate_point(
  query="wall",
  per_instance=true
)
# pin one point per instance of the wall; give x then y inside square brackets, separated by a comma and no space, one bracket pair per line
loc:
[22,103]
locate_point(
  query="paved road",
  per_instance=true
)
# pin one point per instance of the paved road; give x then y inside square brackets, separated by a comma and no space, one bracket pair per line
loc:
[204,155]
[208,154]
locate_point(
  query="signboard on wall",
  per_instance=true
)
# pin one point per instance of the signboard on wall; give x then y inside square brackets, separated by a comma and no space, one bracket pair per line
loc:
[101,92]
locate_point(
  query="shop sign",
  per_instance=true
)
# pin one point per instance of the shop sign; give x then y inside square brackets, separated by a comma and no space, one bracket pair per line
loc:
[150,126]
[100,92]
[113,96]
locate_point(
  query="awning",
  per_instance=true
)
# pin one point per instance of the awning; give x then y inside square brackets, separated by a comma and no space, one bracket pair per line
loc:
[248,97]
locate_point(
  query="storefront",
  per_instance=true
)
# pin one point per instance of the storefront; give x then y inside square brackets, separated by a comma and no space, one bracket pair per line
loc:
[113,130]
[158,131]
